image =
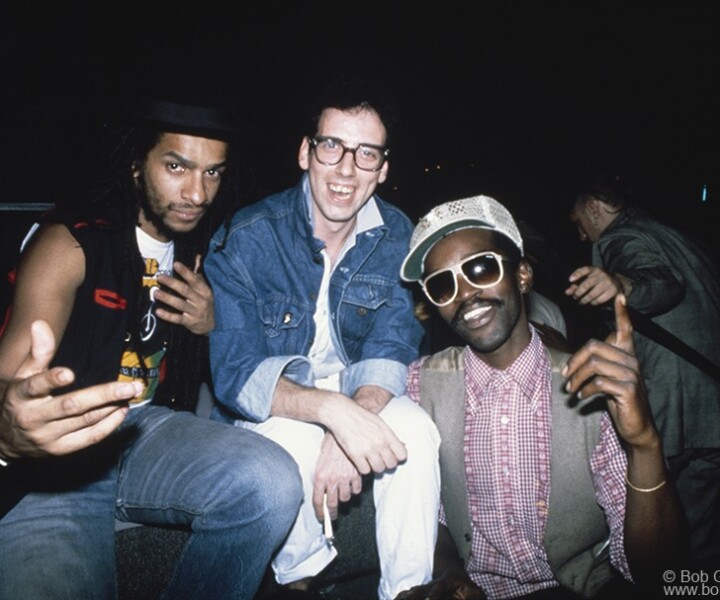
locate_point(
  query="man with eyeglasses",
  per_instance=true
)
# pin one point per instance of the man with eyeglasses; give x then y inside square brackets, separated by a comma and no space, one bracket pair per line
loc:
[540,495]
[314,332]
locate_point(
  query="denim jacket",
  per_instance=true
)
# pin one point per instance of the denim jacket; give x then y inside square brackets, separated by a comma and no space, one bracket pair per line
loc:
[265,280]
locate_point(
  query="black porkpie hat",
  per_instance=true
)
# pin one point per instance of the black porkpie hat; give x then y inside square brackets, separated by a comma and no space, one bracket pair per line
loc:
[206,121]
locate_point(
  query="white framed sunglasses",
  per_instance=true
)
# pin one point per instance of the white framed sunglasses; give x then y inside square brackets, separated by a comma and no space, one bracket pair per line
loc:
[482,270]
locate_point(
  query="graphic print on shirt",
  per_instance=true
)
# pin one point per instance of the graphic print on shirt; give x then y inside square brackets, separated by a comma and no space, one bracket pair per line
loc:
[151,345]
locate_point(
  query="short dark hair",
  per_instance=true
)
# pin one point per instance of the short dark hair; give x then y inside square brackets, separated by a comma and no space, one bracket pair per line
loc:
[612,189]
[347,93]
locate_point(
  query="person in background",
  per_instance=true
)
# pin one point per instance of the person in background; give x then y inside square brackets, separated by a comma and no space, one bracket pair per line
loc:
[544,312]
[314,332]
[111,291]
[547,490]
[672,282]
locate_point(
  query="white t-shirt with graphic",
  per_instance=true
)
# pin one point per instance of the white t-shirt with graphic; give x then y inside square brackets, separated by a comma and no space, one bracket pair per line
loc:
[152,343]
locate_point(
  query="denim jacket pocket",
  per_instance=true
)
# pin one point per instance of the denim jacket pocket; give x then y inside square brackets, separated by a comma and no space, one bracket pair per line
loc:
[363,297]
[282,317]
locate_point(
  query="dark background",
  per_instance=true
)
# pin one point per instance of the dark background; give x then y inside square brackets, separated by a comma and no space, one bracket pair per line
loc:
[514,100]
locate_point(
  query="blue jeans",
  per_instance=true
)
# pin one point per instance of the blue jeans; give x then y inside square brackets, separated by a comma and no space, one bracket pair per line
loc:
[238,492]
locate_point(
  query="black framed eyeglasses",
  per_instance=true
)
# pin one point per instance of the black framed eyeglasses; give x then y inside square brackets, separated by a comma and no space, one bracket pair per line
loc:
[482,270]
[330,151]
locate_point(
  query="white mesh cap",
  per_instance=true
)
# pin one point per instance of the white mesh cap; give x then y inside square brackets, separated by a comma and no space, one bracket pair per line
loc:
[482,212]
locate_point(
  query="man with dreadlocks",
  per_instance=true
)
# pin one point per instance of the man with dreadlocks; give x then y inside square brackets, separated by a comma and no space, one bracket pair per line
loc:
[118,286]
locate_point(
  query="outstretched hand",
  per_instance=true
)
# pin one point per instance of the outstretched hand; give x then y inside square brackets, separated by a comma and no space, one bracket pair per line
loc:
[611,368]
[191,298]
[34,423]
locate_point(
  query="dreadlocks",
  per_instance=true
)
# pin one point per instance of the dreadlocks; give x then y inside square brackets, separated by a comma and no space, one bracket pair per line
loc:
[117,197]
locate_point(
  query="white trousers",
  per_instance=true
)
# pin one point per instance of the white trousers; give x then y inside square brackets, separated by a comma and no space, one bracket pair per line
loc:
[406,501]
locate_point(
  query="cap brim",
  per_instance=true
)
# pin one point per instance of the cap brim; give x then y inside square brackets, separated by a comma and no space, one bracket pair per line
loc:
[413,265]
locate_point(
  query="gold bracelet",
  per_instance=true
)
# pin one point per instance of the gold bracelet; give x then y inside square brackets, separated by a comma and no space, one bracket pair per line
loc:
[645,490]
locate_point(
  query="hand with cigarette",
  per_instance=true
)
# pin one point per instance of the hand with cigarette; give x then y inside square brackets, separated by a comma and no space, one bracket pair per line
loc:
[358,442]
[336,479]
[190,296]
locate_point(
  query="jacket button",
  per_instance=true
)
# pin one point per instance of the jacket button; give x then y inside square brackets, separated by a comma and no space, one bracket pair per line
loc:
[361,311]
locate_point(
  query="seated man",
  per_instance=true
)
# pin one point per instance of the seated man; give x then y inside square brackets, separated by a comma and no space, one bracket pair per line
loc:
[314,334]
[74,454]
[536,492]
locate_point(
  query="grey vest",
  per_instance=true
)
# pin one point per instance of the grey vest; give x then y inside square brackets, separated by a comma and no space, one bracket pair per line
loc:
[576,532]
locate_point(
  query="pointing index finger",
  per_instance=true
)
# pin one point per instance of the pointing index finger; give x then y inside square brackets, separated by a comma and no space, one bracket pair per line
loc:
[623,325]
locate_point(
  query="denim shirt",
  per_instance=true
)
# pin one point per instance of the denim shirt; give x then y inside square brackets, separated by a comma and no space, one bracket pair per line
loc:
[265,281]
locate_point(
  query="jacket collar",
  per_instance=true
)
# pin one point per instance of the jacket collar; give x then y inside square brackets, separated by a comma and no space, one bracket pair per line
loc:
[369,217]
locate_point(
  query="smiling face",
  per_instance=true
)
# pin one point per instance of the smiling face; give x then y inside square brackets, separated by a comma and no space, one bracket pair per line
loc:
[179,179]
[491,320]
[340,191]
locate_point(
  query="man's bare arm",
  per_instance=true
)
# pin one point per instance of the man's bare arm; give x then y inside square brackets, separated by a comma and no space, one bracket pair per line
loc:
[32,421]
[52,268]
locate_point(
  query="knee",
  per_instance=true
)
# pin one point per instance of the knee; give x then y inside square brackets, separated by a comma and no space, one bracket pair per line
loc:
[279,487]
[413,426]
[276,476]
[285,482]
[255,471]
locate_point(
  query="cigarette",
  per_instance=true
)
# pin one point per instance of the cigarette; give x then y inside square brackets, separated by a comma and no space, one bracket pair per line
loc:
[327,522]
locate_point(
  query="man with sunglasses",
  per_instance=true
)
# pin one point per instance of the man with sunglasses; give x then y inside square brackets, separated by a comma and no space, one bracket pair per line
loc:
[314,332]
[539,498]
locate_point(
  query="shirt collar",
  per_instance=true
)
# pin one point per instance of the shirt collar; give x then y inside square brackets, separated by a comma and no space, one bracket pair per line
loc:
[529,370]
[368,216]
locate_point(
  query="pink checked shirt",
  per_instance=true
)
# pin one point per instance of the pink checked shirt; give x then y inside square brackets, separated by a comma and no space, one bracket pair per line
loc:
[507,467]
